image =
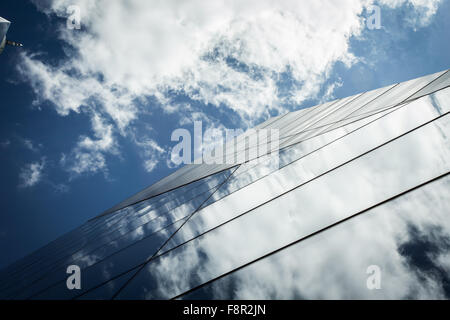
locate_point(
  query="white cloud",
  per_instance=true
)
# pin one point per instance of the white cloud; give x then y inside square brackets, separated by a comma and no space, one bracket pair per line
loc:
[31,174]
[5,144]
[228,55]
[328,95]
[28,144]
[151,153]
[61,188]
[70,93]
[31,146]
[422,13]
[89,155]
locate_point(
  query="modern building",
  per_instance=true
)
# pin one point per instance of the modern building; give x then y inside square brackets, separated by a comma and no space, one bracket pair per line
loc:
[357,206]
[4,26]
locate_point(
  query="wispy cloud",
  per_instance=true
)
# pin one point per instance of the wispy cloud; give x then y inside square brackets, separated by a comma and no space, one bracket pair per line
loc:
[60,187]
[244,58]
[30,145]
[5,143]
[422,10]
[151,152]
[89,155]
[31,174]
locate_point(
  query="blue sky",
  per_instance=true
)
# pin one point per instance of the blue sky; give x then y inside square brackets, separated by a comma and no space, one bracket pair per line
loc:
[87,115]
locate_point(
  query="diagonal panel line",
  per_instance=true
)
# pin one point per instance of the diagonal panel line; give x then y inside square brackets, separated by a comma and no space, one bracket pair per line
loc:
[169,178]
[340,109]
[170,238]
[73,245]
[403,101]
[329,126]
[215,188]
[169,190]
[165,213]
[437,78]
[55,244]
[308,111]
[315,136]
[394,108]
[310,235]
[320,114]
[108,257]
[61,259]
[319,148]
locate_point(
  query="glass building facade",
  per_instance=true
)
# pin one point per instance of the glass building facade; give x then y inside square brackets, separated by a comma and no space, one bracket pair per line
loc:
[360,189]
